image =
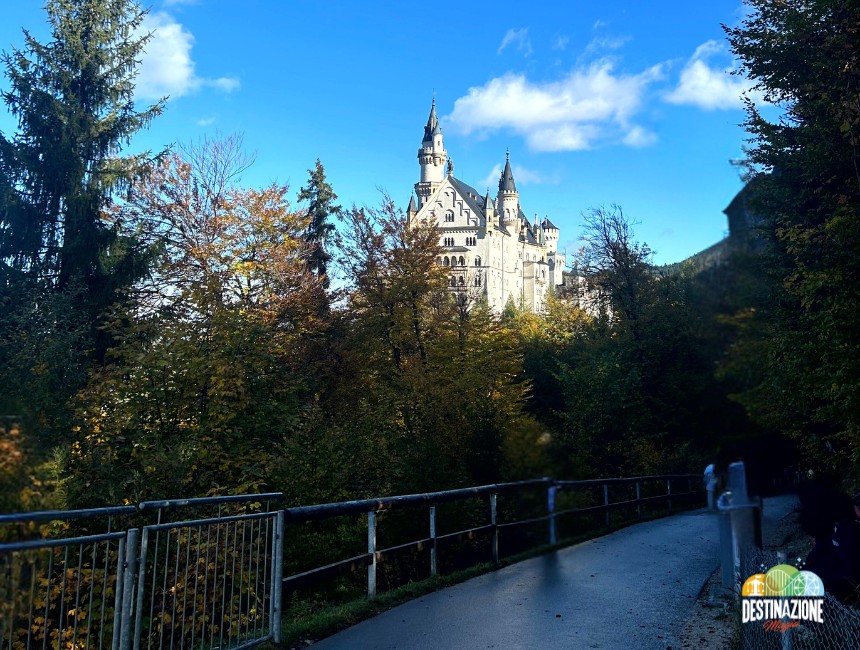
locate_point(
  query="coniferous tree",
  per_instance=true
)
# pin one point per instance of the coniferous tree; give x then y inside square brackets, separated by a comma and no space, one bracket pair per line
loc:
[321,197]
[61,262]
[74,101]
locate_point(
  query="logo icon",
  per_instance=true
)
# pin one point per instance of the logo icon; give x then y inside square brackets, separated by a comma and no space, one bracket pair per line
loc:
[783,580]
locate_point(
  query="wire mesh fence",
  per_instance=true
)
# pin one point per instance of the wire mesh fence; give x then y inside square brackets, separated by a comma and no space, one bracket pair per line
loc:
[207,583]
[61,593]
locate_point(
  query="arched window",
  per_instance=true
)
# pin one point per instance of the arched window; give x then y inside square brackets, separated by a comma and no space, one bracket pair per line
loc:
[477,280]
[462,261]
[478,260]
[452,281]
[461,281]
[445,261]
[449,216]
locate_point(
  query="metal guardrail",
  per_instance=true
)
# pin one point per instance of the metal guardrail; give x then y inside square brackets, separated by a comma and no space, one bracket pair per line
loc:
[370,507]
[217,581]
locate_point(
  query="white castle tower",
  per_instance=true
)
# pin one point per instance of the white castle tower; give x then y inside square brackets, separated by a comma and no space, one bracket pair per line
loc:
[432,158]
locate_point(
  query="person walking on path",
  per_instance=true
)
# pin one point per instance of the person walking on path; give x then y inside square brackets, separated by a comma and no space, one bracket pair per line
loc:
[710,480]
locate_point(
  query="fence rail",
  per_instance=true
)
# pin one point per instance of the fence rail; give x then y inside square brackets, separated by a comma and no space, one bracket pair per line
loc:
[216,581]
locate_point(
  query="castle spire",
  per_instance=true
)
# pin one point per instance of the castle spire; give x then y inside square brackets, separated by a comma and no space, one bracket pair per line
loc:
[508,204]
[506,182]
[432,127]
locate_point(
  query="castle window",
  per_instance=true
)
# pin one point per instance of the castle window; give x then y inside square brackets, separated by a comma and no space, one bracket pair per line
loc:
[452,281]
[477,280]
[462,261]
[471,241]
[445,261]
[478,261]
[449,215]
[461,281]
[448,241]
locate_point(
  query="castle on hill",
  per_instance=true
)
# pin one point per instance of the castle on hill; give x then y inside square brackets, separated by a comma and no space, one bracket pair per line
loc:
[490,248]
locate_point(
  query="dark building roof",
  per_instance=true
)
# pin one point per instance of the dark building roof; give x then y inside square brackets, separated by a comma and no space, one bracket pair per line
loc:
[469,194]
[411,208]
[432,127]
[546,224]
[527,233]
[488,204]
[506,182]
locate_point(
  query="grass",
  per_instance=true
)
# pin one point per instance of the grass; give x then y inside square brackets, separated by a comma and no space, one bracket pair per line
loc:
[312,621]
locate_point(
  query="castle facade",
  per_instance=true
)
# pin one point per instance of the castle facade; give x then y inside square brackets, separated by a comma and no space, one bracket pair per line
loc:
[490,248]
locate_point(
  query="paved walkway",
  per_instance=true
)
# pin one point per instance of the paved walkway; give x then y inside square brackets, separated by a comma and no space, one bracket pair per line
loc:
[631,589]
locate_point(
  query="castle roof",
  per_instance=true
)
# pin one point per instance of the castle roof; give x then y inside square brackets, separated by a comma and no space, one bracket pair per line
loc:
[527,235]
[411,209]
[488,204]
[473,199]
[469,194]
[546,224]
[506,182]
[432,127]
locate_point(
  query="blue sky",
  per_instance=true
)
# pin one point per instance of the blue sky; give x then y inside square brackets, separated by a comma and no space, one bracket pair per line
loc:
[616,102]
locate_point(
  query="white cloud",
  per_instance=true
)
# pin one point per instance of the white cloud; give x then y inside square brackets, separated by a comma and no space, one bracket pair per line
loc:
[604,44]
[638,137]
[492,179]
[206,121]
[519,38]
[167,67]
[710,88]
[226,84]
[591,103]
[522,176]
[560,43]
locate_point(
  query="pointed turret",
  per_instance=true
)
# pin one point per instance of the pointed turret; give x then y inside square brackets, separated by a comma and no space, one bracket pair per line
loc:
[432,129]
[489,210]
[488,203]
[411,210]
[508,203]
[506,182]
[431,158]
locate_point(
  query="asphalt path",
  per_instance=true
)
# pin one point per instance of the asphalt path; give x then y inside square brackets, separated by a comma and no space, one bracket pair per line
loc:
[629,589]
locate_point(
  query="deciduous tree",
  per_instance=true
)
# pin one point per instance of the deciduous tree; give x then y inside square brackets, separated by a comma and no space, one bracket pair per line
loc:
[207,380]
